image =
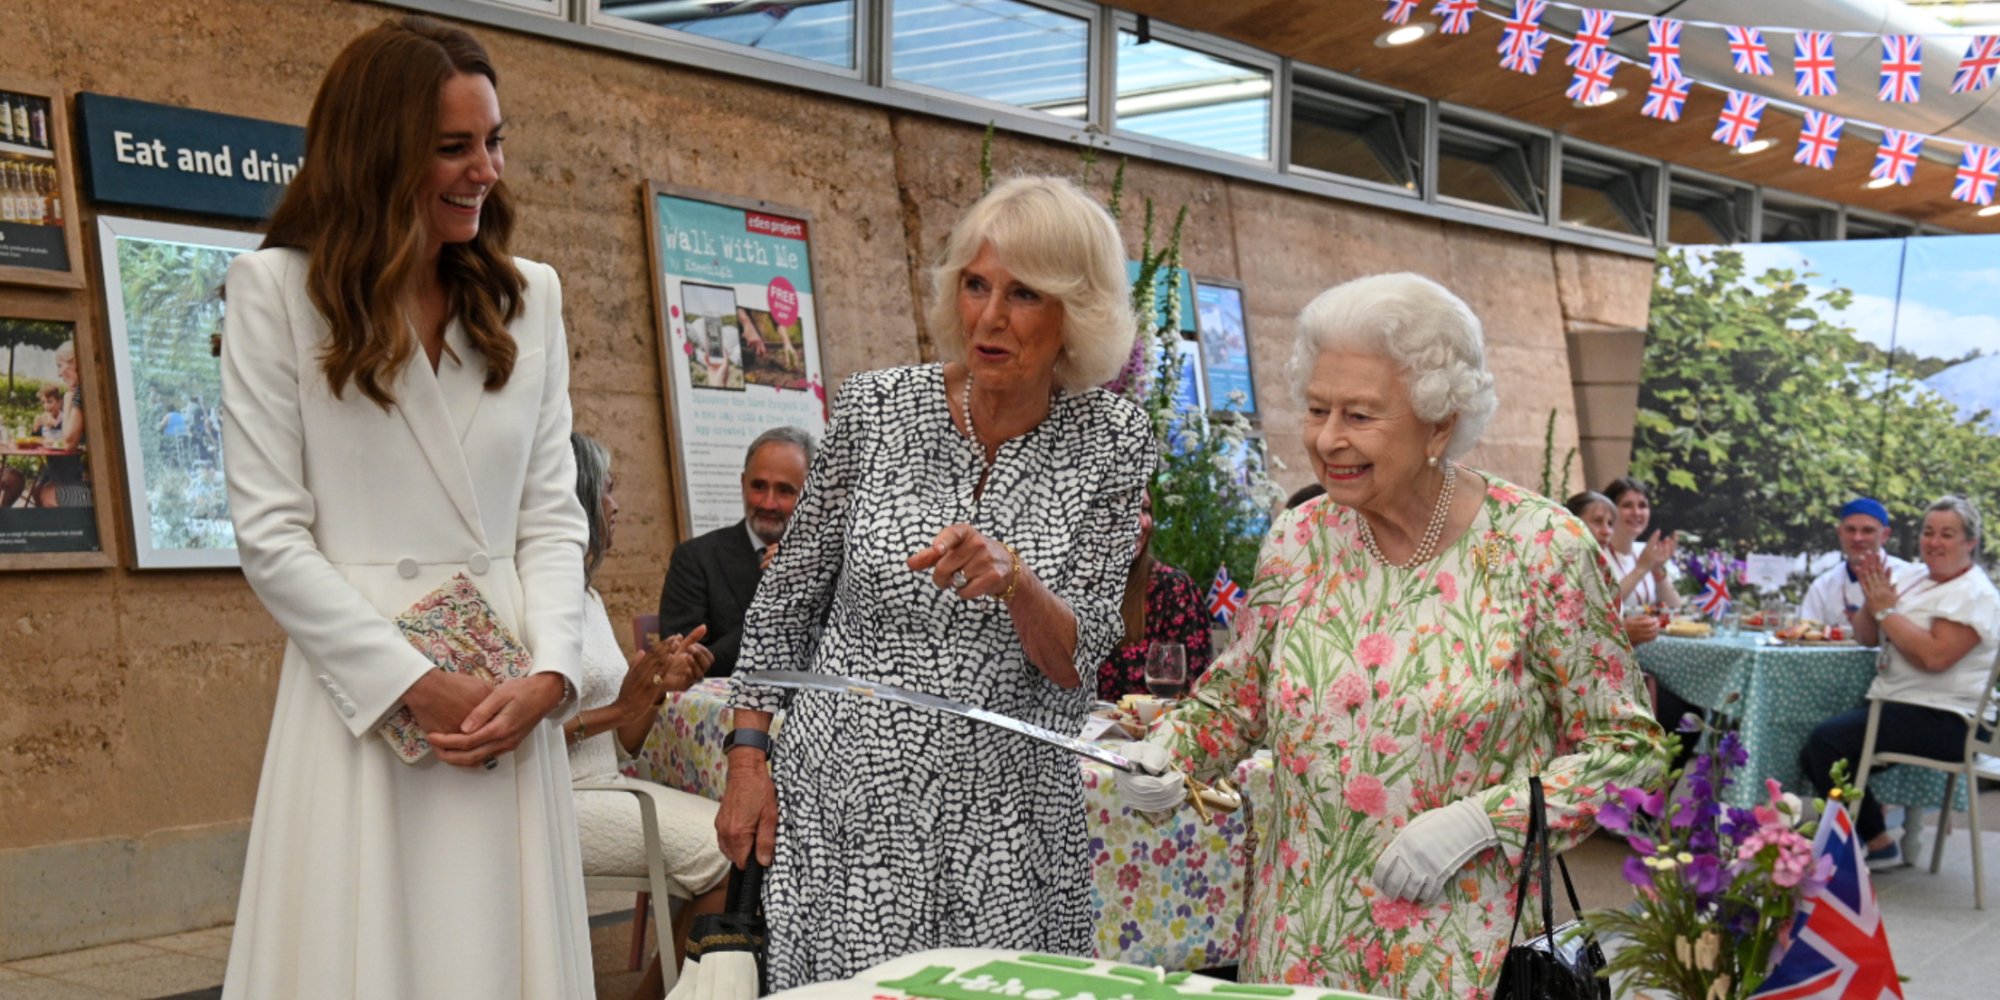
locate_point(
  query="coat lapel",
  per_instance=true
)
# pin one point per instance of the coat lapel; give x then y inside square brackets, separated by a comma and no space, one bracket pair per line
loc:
[463,380]
[421,399]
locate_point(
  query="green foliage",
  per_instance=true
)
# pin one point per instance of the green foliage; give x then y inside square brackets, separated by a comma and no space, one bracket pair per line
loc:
[1554,489]
[1760,414]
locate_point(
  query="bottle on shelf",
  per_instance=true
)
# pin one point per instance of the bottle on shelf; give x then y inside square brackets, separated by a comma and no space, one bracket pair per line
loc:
[10,194]
[38,122]
[21,119]
[52,197]
[6,117]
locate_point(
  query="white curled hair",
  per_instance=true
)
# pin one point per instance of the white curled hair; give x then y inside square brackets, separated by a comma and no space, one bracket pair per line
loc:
[1429,334]
[1060,242]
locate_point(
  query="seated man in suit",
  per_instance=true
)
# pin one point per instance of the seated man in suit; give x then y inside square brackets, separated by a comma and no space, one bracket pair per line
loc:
[711,578]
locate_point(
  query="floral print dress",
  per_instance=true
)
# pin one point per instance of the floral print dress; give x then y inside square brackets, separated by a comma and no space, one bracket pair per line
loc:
[1386,692]
[1173,614]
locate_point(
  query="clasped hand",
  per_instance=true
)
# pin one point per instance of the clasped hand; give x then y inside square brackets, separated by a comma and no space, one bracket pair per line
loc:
[1433,846]
[1878,591]
[500,716]
[962,560]
[675,663]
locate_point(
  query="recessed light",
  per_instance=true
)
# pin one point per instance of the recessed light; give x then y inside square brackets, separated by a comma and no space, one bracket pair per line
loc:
[1881,182]
[1406,34]
[1604,97]
[1754,146]
[1990,210]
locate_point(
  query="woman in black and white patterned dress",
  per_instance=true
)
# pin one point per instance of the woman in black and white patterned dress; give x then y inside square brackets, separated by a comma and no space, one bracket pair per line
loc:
[965,531]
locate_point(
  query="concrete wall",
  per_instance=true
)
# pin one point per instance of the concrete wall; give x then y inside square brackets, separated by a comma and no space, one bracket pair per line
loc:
[136,705]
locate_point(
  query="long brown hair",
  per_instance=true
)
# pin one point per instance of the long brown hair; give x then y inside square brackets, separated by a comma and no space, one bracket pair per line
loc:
[356,208]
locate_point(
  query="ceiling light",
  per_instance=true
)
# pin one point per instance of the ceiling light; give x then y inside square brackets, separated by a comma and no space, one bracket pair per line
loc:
[1990,210]
[1406,34]
[1881,182]
[1754,146]
[1604,97]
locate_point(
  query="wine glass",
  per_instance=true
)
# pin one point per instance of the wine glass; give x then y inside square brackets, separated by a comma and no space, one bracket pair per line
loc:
[1166,669]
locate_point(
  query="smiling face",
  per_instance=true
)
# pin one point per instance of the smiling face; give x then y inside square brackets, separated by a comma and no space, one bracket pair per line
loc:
[1598,517]
[1635,511]
[1368,446]
[1860,536]
[1944,545]
[1013,333]
[771,485]
[467,160]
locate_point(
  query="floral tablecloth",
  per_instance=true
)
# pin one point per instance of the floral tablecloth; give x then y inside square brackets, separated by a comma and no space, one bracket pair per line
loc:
[1784,692]
[1168,892]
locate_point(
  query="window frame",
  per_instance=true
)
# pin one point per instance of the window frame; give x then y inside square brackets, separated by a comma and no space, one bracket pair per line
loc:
[1648,175]
[1744,194]
[592,16]
[1093,15]
[1541,157]
[1208,45]
[1305,77]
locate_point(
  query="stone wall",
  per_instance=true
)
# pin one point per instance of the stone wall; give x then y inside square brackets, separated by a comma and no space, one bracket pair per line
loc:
[136,705]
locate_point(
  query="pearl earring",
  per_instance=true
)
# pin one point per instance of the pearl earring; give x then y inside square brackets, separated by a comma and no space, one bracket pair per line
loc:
[1433,461]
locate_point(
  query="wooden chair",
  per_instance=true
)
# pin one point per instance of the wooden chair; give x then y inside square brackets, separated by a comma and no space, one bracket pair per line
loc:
[1969,765]
[653,885]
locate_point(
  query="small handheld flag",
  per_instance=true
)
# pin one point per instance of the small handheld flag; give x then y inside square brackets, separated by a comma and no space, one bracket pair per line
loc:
[1225,597]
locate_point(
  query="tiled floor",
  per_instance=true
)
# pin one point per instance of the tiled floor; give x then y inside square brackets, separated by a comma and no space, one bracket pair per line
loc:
[1950,950]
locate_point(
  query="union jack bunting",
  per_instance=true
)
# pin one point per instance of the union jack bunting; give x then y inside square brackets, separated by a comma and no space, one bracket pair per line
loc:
[1663,48]
[1457,15]
[1593,36]
[1975,71]
[1839,949]
[1896,158]
[1524,29]
[1225,596]
[1748,51]
[1593,76]
[1400,10]
[1525,59]
[1665,99]
[1812,64]
[1902,68]
[1978,171]
[1819,140]
[1737,124]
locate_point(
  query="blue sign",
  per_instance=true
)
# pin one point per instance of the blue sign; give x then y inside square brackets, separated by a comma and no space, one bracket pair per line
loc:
[160,156]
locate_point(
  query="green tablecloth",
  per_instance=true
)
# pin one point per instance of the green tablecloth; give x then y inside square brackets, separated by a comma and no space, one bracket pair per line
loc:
[1783,692]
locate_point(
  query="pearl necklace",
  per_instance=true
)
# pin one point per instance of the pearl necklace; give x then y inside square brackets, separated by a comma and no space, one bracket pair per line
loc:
[1427,548]
[971,431]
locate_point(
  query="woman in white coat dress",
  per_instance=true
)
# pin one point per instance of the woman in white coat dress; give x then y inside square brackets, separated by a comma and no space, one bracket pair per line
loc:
[396,411]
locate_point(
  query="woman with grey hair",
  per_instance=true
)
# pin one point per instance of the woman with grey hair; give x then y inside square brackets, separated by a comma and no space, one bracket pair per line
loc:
[1418,642]
[965,531]
[1938,624]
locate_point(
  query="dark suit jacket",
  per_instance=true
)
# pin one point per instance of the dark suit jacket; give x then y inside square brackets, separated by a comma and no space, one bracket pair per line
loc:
[710,581]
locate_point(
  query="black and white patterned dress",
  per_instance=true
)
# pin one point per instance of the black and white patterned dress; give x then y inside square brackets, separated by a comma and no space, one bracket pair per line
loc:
[901,829]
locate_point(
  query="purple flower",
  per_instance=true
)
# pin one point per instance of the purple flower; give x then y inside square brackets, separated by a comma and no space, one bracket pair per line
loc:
[1614,816]
[1740,824]
[1704,874]
[1638,874]
[1642,845]
[1690,723]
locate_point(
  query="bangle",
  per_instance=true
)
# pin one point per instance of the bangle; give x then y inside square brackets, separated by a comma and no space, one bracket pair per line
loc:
[576,738]
[1013,573]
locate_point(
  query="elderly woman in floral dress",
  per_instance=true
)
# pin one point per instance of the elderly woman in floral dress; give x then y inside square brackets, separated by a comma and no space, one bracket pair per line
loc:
[1418,643]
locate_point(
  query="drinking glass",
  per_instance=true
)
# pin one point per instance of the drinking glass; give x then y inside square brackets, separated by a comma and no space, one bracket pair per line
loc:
[1166,669]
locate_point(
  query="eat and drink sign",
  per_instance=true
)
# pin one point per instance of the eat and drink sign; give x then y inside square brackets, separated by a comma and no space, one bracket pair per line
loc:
[161,156]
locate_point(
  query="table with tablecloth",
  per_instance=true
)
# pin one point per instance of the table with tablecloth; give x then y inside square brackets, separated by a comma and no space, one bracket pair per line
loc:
[1782,692]
[1165,892]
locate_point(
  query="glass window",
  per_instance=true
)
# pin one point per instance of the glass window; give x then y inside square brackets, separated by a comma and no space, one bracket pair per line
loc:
[1493,169]
[1357,134]
[1796,223]
[1868,227]
[1700,214]
[1607,195]
[1000,50]
[821,31]
[1176,93]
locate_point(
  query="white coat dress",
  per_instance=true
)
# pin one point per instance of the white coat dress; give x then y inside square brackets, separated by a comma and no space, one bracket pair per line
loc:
[366,876]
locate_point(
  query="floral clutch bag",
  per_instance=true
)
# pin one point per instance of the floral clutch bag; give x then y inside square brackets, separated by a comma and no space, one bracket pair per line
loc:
[455,628]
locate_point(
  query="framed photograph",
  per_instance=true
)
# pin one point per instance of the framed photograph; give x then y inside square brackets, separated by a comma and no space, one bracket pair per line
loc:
[163,307]
[1225,345]
[53,481]
[1189,395]
[734,301]
[39,243]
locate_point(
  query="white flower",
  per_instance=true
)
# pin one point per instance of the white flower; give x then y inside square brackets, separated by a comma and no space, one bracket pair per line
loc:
[1173,500]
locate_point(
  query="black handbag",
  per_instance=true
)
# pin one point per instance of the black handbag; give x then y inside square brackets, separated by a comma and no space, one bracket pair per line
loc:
[1562,963]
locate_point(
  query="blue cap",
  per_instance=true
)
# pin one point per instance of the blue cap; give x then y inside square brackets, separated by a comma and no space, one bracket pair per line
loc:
[1865,505]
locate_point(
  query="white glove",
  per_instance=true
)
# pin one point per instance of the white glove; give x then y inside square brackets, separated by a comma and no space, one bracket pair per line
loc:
[1431,849]
[1146,793]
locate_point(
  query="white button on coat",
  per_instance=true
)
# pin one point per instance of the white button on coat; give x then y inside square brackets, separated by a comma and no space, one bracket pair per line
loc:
[406,568]
[478,564]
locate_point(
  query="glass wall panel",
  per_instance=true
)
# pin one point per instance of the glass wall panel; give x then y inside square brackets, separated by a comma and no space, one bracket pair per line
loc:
[821,31]
[1496,170]
[1175,93]
[1360,135]
[999,50]
[1601,194]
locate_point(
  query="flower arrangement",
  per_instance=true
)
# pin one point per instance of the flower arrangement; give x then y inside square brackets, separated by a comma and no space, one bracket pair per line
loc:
[1717,885]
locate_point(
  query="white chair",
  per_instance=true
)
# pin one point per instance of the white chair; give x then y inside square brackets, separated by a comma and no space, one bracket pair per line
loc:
[1970,765]
[665,893]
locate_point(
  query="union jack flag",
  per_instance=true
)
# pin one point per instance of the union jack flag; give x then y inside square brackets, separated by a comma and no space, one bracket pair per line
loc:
[1839,949]
[1457,15]
[1593,75]
[1748,51]
[1978,171]
[1896,158]
[1737,124]
[1663,48]
[1812,64]
[1524,29]
[1225,596]
[1400,10]
[1665,99]
[1714,597]
[1819,140]
[1593,36]
[1975,71]
[1526,58]
[1902,68]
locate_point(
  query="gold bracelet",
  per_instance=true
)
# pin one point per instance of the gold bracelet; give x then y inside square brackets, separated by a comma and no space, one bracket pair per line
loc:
[1013,573]
[578,737]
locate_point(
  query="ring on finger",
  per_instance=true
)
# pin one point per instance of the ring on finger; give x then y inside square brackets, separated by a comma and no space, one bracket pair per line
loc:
[959,581]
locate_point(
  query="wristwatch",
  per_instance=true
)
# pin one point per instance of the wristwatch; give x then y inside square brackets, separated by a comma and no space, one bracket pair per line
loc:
[744,736]
[1883,615]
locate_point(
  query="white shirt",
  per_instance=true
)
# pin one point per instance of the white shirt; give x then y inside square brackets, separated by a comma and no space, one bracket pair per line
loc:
[1622,565]
[1835,595]
[1968,599]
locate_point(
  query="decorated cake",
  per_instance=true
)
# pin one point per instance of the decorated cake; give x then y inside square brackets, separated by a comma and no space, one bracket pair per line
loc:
[988,974]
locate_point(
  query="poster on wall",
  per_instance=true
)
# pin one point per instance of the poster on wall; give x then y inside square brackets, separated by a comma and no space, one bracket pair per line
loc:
[1225,345]
[51,513]
[163,302]
[739,338]
[38,239]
